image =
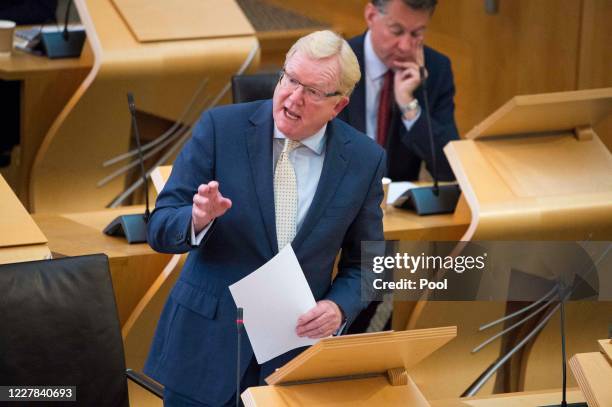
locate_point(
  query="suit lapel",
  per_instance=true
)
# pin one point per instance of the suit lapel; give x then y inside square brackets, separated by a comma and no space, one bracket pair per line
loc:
[357,107]
[337,156]
[259,145]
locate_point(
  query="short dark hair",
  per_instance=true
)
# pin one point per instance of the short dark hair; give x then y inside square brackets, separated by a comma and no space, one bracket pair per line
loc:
[426,5]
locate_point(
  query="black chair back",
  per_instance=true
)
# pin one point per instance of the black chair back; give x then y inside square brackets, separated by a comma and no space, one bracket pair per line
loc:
[59,327]
[248,88]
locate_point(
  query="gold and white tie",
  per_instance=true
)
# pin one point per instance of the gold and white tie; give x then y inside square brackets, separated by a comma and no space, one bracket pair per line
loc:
[285,196]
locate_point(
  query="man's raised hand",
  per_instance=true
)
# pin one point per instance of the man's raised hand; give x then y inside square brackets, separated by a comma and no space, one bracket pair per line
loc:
[208,204]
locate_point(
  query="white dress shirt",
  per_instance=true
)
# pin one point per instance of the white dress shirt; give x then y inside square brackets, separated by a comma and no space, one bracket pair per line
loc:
[375,71]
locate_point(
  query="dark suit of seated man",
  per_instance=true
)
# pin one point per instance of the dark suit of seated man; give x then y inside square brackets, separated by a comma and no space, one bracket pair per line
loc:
[394,44]
[253,178]
[390,54]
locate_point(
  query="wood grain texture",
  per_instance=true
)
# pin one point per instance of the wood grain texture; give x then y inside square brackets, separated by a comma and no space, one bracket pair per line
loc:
[594,375]
[363,354]
[518,399]
[153,20]
[359,392]
[545,185]
[96,123]
[17,226]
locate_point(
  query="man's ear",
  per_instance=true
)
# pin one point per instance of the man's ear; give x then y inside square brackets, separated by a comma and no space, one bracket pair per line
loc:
[369,13]
[344,100]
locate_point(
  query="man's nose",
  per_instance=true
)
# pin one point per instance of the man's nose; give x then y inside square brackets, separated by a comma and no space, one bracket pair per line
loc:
[297,95]
[406,44]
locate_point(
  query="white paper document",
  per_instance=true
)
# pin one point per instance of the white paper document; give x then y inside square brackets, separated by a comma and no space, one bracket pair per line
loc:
[396,189]
[273,298]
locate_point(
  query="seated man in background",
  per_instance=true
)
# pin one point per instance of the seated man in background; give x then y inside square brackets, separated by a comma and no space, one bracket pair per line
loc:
[387,103]
[290,173]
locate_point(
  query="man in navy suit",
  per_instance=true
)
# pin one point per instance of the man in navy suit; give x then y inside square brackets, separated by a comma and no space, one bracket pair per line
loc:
[222,204]
[394,44]
[390,55]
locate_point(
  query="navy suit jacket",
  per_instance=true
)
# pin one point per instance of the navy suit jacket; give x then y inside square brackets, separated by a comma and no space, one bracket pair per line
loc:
[194,348]
[406,149]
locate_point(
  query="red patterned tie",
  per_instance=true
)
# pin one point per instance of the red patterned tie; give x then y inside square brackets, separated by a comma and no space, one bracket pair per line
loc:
[384,109]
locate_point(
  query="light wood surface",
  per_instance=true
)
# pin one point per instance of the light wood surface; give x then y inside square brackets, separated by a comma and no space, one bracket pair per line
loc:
[359,392]
[163,76]
[16,224]
[548,112]
[47,85]
[537,186]
[21,65]
[362,354]
[133,267]
[519,399]
[343,360]
[153,20]
[605,346]
[593,373]
[20,237]
[399,224]
[434,377]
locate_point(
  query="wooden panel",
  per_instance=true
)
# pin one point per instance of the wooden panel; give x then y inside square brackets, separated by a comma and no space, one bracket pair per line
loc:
[585,323]
[605,346]
[17,254]
[546,112]
[527,47]
[406,225]
[521,399]
[595,64]
[594,375]
[358,392]
[16,224]
[434,376]
[164,76]
[363,354]
[153,20]
[22,65]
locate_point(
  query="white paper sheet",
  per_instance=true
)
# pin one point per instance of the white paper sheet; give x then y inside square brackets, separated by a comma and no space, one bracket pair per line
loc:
[273,298]
[396,189]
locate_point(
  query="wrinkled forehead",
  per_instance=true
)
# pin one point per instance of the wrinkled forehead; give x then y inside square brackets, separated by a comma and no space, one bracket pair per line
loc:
[321,73]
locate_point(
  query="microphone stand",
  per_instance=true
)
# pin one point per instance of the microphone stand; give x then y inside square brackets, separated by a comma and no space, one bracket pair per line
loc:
[239,325]
[133,227]
[436,199]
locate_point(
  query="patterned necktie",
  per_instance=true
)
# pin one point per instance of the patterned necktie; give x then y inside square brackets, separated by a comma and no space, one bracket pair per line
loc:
[285,196]
[384,109]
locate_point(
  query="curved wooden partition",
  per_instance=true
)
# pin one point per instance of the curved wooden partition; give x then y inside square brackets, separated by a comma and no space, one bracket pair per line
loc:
[163,76]
[535,169]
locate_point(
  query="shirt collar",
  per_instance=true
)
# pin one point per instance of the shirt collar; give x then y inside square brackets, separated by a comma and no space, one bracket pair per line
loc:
[374,67]
[316,142]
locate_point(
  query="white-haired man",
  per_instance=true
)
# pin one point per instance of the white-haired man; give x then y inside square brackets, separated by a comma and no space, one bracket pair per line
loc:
[253,178]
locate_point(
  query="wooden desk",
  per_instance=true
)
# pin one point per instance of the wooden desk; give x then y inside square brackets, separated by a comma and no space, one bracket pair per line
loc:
[400,224]
[133,267]
[46,86]
[521,399]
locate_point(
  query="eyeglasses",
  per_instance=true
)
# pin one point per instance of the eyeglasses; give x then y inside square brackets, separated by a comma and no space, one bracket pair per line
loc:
[316,95]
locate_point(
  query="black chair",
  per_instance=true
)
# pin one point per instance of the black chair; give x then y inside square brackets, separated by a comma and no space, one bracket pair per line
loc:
[248,88]
[60,328]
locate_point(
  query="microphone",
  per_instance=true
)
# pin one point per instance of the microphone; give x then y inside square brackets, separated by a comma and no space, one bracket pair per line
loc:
[239,325]
[65,34]
[436,199]
[134,226]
